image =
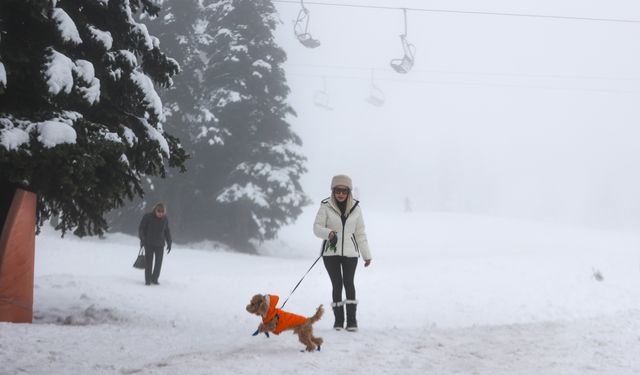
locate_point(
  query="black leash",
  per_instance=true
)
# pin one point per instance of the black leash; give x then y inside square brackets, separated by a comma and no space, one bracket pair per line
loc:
[296,287]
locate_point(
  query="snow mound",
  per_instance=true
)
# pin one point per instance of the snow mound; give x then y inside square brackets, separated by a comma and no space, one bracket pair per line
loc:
[92,315]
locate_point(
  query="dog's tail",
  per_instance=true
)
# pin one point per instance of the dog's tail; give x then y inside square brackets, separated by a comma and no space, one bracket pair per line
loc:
[317,315]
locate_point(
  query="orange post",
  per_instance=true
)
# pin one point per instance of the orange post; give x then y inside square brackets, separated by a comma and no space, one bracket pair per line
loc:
[17,253]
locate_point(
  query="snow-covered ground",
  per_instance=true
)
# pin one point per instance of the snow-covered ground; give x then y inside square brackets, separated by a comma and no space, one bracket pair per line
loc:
[446,294]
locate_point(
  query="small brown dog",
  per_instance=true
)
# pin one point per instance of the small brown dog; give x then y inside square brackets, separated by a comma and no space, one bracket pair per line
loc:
[276,320]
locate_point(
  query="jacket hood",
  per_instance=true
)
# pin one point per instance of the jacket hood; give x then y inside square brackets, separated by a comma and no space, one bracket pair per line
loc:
[272,302]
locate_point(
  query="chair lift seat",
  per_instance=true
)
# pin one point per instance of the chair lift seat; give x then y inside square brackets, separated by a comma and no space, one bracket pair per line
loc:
[301,29]
[404,64]
[321,99]
[375,101]
[376,96]
[307,40]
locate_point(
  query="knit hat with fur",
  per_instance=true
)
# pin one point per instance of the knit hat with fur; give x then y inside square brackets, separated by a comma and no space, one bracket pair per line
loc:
[341,180]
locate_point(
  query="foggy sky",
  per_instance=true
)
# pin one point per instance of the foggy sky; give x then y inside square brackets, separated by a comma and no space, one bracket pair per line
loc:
[500,115]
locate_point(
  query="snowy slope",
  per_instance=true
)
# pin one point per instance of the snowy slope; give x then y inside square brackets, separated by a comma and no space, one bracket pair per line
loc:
[445,294]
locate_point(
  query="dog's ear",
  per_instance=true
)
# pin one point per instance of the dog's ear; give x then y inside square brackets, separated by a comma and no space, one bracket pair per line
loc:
[256,304]
[262,305]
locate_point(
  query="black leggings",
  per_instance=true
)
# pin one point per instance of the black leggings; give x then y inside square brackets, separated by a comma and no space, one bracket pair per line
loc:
[341,271]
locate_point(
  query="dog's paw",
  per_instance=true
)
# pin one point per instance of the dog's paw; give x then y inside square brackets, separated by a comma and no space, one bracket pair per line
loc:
[310,350]
[258,331]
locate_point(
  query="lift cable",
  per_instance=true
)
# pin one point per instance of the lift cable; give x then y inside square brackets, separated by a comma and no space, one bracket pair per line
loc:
[480,13]
[470,84]
[299,66]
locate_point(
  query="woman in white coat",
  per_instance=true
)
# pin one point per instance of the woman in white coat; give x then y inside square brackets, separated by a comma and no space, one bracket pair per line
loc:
[340,224]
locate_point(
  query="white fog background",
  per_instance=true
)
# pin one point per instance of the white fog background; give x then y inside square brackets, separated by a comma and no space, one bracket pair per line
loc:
[510,116]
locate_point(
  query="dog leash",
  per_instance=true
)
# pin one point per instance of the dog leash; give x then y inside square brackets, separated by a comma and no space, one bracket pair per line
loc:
[296,287]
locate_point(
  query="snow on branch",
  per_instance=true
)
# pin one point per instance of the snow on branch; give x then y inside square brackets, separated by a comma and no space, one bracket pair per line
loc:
[129,135]
[52,133]
[224,32]
[110,136]
[124,56]
[262,64]
[104,38]
[222,8]
[59,72]
[85,73]
[55,131]
[227,96]
[66,26]
[12,137]
[249,191]
[151,98]
[157,136]
[62,74]
[142,33]
[240,48]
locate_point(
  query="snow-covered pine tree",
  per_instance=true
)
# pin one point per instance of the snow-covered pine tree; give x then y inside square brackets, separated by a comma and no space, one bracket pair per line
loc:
[184,34]
[230,102]
[80,120]
[257,186]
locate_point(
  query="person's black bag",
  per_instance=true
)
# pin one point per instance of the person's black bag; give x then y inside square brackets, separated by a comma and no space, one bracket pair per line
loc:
[140,260]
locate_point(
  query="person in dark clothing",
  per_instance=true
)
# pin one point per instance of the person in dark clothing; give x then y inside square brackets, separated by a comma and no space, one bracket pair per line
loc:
[153,232]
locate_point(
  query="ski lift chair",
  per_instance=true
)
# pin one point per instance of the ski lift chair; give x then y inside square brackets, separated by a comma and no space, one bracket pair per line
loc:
[376,96]
[404,64]
[321,99]
[301,29]
[376,99]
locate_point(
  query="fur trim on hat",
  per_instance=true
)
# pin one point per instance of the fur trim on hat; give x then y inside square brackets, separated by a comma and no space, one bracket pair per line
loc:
[341,180]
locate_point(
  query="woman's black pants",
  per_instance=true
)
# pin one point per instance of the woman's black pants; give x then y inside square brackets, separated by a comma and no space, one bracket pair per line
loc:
[341,272]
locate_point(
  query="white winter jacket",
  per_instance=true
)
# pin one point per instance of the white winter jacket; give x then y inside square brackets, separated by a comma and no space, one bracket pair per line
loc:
[352,239]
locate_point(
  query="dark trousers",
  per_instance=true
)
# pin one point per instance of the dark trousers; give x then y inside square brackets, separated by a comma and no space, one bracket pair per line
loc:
[149,252]
[341,272]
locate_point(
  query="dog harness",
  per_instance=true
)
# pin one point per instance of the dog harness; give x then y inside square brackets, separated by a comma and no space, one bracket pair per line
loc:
[285,319]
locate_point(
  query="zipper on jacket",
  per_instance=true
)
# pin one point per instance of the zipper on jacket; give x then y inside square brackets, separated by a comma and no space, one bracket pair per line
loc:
[355,243]
[344,221]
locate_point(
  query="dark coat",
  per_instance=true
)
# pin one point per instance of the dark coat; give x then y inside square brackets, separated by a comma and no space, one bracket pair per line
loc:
[153,231]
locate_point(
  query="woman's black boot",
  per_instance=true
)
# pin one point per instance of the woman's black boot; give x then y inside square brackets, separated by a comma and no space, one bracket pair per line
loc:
[352,322]
[338,313]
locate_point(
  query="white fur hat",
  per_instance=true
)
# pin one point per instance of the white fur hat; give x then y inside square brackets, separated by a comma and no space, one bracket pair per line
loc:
[341,180]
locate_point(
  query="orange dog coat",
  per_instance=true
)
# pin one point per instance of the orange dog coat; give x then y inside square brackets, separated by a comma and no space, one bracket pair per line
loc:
[285,319]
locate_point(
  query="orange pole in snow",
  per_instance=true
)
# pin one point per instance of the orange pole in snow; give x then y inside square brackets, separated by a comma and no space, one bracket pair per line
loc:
[17,253]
